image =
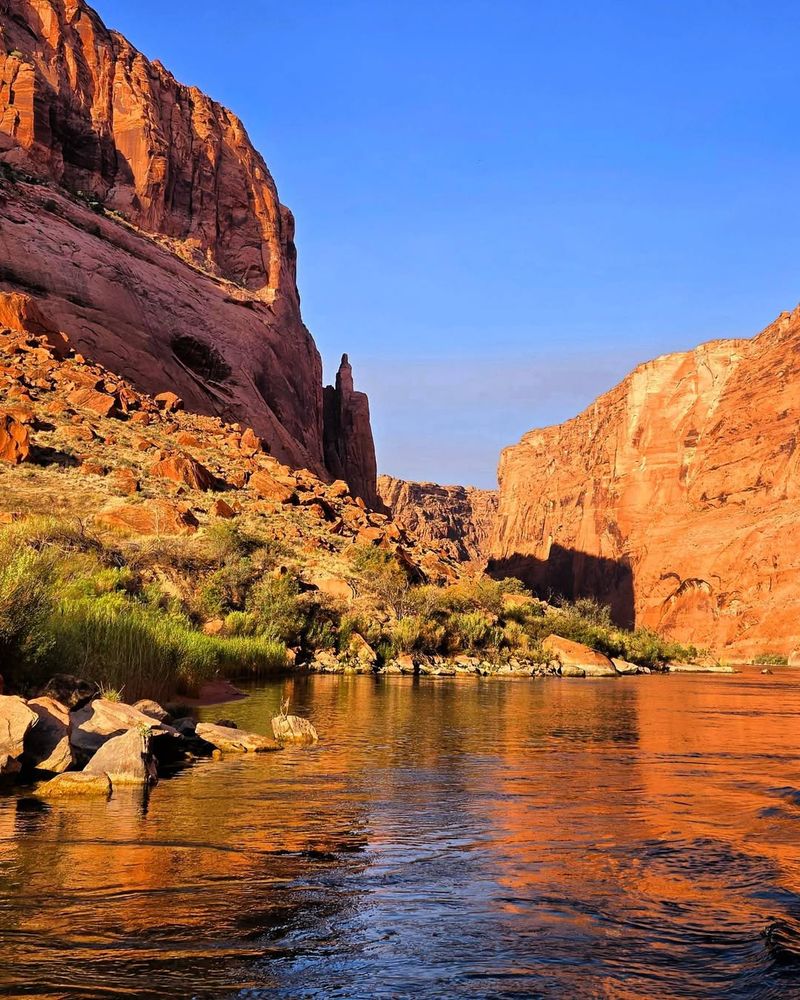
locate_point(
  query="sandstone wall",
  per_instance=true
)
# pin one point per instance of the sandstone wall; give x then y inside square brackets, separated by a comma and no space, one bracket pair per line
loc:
[157,242]
[674,496]
[458,520]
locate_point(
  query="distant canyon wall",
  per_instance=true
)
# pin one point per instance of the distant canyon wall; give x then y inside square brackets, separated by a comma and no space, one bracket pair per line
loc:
[673,497]
[458,520]
[154,235]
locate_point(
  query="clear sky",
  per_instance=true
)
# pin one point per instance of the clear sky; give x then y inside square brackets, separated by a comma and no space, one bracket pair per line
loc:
[504,206]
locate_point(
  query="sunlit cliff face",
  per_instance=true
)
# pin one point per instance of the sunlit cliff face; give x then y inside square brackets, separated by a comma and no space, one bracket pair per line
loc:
[673,496]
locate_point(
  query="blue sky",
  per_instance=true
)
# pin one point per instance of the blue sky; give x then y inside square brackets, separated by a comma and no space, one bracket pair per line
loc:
[504,206]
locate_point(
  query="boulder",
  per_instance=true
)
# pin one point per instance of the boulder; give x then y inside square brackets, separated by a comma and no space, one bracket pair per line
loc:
[186,470]
[234,740]
[223,509]
[151,709]
[293,729]
[327,662]
[16,719]
[15,444]
[406,663]
[575,654]
[625,667]
[169,402]
[90,399]
[124,481]
[75,783]
[126,759]
[570,670]
[102,720]
[265,486]
[155,517]
[47,746]
[360,654]
[69,691]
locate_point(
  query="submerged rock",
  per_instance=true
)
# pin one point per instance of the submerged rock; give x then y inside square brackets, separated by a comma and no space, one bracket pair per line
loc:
[234,740]
[75,783]
[293,729]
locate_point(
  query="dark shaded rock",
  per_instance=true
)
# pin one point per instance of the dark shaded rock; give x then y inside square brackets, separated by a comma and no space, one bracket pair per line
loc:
[71,692]
[47,746]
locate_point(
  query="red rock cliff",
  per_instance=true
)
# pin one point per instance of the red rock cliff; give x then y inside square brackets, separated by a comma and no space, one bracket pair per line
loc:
[458,520]
[158,239]
[674,496]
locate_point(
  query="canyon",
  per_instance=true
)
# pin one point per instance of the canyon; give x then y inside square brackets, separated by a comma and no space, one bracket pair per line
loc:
[138,212]
[139,225]
[673,498]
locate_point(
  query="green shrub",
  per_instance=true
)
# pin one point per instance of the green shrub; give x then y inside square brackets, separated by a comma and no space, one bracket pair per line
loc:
[417,634]
[274,603]
[26,604]
[467,630]
[771,659]
[378,574]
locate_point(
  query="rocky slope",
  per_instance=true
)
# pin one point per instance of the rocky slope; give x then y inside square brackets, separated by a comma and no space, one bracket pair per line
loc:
[458,520]
[140,211]
[674,497]
[77,441]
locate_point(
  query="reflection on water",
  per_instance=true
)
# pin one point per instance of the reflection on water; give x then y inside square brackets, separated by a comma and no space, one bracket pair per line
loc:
[637,837]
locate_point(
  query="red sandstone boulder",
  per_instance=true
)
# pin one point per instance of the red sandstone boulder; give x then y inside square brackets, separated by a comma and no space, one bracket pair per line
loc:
[293,729]
[223,509]
[184,469]
[235,740]
[76,783]
[14,440]
[47,746]
[249,443]
[124,482]
[575,654]
[16,719]
[89,399]
[169,402]
[267,487]
[155,517]
[102,720]
[126,759]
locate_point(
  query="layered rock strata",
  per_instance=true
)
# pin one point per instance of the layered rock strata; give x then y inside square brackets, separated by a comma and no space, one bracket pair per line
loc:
[458,520]
[139,211]
[673,497]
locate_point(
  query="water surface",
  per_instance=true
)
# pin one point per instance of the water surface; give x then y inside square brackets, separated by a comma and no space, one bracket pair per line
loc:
[627,838]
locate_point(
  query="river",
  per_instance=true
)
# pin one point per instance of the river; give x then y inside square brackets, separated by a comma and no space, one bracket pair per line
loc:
[627,838]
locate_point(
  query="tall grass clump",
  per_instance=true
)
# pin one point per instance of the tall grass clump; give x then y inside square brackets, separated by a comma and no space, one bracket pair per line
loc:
[26,605]
[128,646]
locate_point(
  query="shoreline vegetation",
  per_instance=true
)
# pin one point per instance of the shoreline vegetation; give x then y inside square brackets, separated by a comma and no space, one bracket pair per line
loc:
[234,606]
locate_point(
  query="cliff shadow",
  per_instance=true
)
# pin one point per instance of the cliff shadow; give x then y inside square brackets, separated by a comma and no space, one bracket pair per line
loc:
[570,574]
